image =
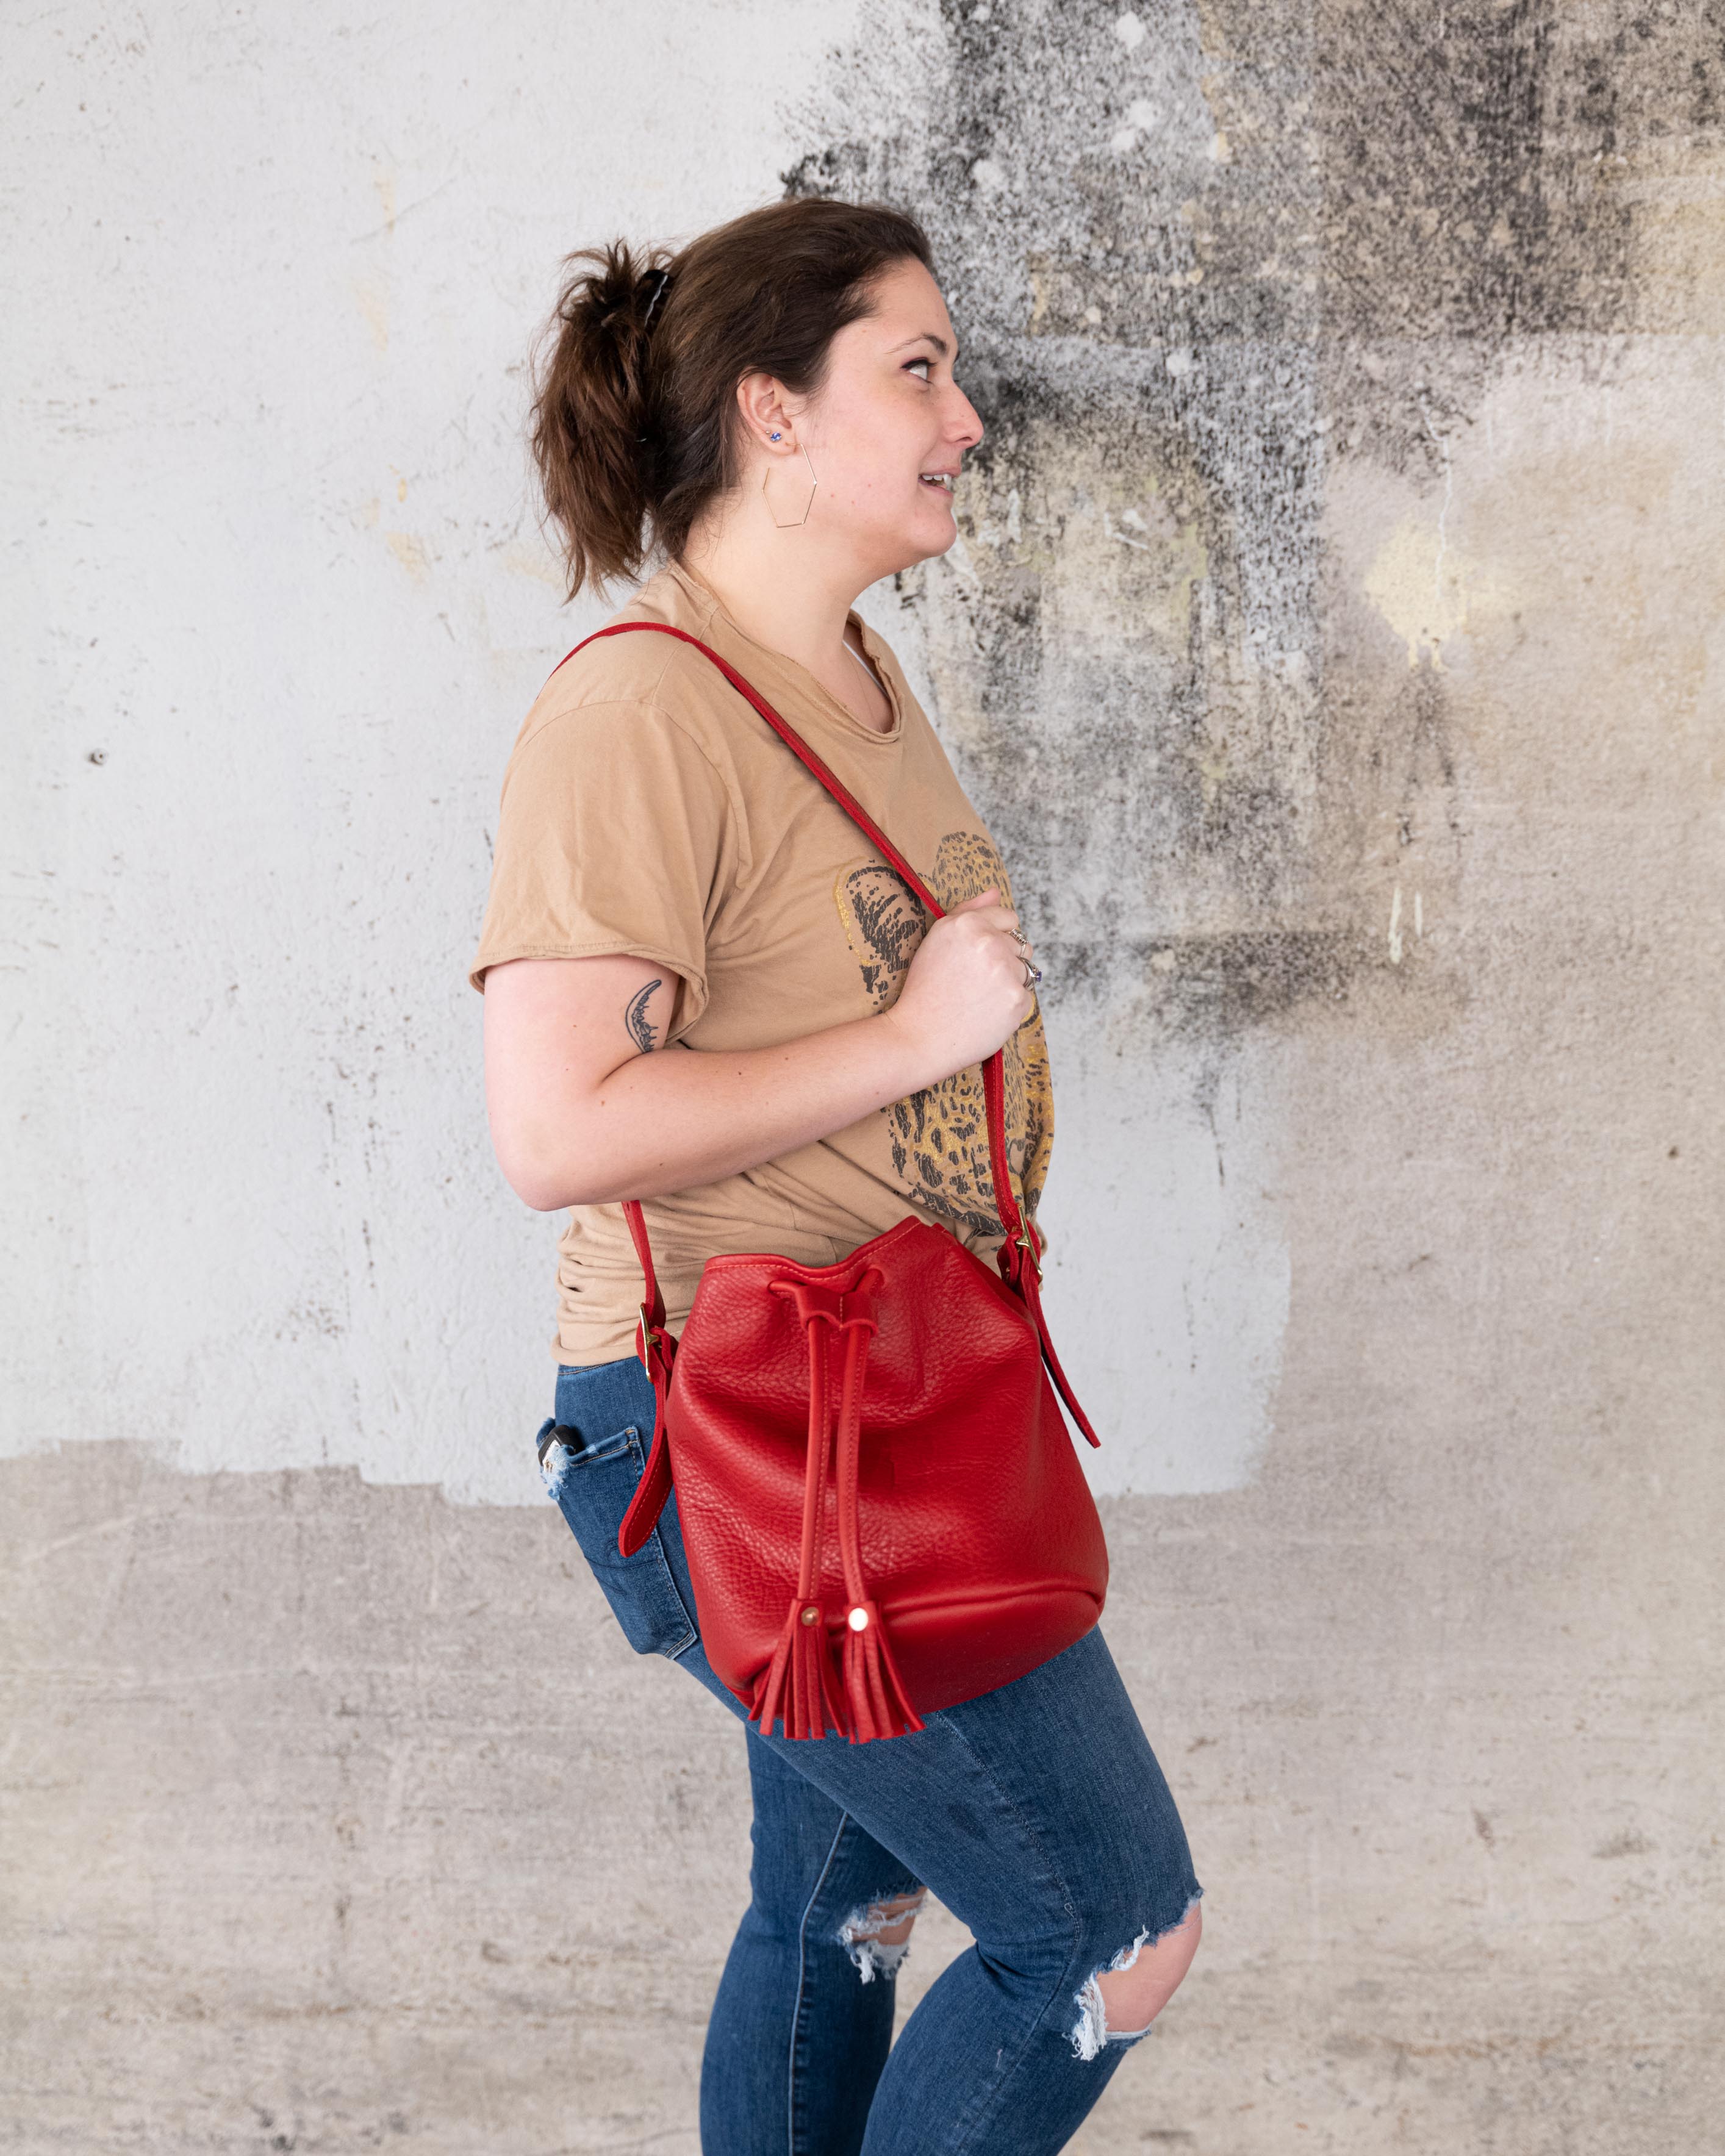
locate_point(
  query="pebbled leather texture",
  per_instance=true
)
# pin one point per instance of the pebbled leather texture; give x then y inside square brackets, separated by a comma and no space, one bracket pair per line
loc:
[979,1537]
[883,1511]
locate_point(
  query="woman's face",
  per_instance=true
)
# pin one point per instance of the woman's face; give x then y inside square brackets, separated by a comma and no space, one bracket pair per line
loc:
[887,431]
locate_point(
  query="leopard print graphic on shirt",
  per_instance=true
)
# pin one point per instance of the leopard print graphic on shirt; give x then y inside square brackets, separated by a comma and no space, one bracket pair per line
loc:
[940,1135]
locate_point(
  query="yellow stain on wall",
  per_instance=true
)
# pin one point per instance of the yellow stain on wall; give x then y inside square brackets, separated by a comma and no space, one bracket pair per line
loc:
[527,559]
[373,299]
[1428,592]
[410,552]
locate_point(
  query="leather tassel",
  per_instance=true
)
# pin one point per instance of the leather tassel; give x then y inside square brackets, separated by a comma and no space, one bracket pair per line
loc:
[874,1690]
[817,1701]
[800,1688]
[768,1702]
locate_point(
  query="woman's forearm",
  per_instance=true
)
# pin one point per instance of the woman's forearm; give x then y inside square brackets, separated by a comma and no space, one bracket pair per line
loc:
[586,1108]
[680,1116]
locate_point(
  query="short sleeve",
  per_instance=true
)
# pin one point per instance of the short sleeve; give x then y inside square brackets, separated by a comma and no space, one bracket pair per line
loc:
[611,840]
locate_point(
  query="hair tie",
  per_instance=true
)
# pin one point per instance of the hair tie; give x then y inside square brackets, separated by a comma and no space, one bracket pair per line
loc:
[664,278]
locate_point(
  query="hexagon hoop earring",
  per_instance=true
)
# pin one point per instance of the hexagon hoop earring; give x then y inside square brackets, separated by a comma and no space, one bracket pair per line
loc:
[790,523]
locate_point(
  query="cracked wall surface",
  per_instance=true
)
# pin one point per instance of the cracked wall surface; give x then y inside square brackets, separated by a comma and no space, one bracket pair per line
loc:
[1334,644]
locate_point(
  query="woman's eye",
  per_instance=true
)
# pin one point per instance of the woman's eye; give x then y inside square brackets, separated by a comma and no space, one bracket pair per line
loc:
[924,364]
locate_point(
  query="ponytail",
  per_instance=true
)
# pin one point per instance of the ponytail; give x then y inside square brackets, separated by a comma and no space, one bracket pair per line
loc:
[634,419]
[591,411]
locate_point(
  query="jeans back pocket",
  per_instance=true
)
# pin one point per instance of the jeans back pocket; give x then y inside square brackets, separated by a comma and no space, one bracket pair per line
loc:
[593,1487]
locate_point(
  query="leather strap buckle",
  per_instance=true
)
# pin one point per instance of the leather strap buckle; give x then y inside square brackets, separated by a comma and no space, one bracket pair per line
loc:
[650,1337]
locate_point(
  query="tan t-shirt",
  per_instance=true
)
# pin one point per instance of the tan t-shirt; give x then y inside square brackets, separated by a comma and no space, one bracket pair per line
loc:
[648,809]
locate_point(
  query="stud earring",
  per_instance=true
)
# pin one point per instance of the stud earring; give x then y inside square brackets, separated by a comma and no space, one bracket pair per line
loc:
[775,438]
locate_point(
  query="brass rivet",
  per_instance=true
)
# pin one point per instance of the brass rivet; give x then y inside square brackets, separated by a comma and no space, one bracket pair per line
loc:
[859,1618]
[811,1615]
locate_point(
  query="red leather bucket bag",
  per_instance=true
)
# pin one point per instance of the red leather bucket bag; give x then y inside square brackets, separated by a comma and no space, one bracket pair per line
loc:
[882,1508]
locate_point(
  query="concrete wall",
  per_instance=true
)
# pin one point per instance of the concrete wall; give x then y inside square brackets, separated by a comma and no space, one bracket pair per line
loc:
[1334,642]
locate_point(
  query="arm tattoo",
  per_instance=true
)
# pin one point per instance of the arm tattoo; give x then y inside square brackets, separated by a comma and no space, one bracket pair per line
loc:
[635,1018]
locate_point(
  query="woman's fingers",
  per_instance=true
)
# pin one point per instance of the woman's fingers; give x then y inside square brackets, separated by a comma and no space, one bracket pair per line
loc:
[989,903]
[994,914]
[1014,946]
[968,985]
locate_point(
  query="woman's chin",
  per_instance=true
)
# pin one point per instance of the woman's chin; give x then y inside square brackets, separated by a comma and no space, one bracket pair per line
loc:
[936,529]
[920,543]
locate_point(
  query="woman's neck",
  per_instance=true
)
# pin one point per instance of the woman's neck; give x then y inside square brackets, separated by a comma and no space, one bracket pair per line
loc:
[785,591]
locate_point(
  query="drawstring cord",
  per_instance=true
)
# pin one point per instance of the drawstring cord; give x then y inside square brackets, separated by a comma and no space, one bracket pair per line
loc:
[801,1686]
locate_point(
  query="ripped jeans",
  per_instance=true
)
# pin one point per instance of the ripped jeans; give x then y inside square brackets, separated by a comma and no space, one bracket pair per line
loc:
[1037,1813]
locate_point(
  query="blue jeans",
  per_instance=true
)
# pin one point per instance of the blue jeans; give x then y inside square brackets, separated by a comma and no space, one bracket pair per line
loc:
[1037,1813]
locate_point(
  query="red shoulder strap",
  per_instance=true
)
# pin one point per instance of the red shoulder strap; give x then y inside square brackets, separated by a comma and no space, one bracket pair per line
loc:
[1018,1258]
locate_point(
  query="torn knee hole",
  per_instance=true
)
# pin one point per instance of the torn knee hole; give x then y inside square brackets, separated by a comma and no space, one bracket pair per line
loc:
[877,1936]
[1119,2004]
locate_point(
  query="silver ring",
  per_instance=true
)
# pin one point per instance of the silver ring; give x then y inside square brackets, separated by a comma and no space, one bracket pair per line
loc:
[1019,937]
[1032,974]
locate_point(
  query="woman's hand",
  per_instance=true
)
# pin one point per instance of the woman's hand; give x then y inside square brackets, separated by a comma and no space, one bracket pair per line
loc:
[967,991]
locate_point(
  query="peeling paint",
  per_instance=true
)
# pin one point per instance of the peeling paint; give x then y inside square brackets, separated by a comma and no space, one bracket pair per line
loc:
[1194,337]
[1155,605]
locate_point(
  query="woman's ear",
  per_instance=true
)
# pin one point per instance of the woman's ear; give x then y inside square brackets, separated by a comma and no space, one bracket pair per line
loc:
[767,412]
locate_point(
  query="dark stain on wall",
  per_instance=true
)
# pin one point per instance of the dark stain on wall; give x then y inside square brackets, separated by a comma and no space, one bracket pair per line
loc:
[1199,256]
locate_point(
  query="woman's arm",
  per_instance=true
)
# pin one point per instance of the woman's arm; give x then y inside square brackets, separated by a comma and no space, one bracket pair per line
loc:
[582,1113]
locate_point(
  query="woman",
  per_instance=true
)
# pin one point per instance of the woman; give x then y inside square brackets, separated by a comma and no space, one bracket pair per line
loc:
[773,413]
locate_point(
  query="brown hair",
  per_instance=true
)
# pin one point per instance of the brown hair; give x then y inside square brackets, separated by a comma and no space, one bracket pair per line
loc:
[635,418]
